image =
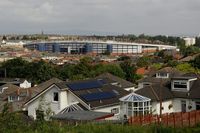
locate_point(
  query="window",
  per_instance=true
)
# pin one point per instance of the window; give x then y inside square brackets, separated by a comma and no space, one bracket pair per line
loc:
[197,105]
[13,98]
[162,75]
[183,106]
[55,96]
[180,84]
[115,110]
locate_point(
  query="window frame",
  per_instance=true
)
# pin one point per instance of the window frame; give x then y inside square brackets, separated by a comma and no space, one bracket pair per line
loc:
[53,98]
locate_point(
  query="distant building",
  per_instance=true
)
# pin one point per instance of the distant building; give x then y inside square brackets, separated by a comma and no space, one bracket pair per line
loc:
[18,44]
[96,47]
[189,41]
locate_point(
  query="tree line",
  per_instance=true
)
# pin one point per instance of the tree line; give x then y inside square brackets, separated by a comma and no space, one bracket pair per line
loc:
[40,71]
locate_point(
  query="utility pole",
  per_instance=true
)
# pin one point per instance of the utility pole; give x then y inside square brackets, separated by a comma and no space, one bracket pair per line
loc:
[160,99]
[5,73]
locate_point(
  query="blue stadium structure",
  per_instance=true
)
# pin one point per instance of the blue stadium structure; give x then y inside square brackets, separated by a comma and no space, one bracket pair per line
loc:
[96,47]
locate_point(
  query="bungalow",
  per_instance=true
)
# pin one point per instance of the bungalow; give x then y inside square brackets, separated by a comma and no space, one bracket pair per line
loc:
[178,94]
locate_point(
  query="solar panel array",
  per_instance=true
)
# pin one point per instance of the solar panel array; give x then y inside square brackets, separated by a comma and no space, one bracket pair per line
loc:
[98,96]
[85,85]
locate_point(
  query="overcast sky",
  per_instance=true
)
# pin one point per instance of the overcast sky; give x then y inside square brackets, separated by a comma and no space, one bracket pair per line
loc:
[167,17]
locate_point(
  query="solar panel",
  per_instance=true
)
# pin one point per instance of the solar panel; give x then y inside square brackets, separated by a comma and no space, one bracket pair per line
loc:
[85,85]
[98,96]
[102,81]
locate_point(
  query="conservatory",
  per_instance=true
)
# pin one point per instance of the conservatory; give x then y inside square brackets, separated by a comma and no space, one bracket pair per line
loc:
[134,105]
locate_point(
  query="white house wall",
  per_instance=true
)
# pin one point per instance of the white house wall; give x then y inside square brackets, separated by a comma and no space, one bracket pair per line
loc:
[165,105]
[189,102]
[71,98]
[176,106]
[25,84]
[65,97]
[47,98]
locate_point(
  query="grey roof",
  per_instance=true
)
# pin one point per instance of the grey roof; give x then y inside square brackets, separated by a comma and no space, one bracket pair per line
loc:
[41,87]
[164,91]
[172,73]
[8,89]
[36,90]
[82,115]
[112,78]
[153,92]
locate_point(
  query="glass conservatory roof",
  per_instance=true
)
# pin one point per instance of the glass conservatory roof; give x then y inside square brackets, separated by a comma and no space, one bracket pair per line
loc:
[133,97]
[71,108]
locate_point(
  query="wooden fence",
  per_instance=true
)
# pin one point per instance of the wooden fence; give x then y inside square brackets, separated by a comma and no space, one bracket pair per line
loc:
[173,119]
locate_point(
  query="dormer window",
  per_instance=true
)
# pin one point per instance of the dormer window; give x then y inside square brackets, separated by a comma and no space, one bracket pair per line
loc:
[162,75]
[13,98]
[182,83]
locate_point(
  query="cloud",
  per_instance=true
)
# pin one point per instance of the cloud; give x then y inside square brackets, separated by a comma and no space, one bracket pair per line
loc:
[100,16]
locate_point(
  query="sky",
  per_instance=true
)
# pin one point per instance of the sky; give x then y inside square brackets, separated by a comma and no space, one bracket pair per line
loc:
[100,17]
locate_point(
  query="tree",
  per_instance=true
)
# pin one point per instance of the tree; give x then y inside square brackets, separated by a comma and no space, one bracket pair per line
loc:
[86,60]
[44,110]
[130,70]
[123,58]
[143,61]
[197,44]
[115,70]
[16,68]
[25,37]
[196,62]
[185,67]
[67,71]
[4,38]
[172,63]
[41,71]
[186,51]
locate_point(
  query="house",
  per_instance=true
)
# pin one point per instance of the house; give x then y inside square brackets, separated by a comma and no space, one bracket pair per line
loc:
[155,77]
[22,83]
[13,95]
[99,94]
[178,94]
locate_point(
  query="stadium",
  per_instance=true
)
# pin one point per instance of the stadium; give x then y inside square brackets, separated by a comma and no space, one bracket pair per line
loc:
[96,47]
